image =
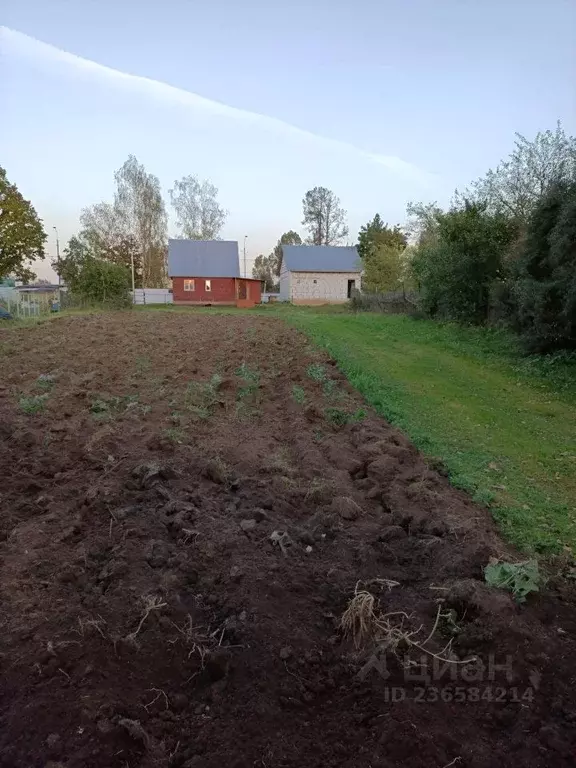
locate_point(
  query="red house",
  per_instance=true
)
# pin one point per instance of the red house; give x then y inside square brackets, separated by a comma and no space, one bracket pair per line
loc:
[207,272]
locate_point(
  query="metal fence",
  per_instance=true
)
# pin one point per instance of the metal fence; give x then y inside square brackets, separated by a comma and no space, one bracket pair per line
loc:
[153,296]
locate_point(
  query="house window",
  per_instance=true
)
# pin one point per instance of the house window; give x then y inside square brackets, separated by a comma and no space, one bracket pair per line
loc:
[208,285]
[189,285]
[315,281]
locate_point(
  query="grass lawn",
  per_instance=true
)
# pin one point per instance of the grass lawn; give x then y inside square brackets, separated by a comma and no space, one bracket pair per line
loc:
[503,425]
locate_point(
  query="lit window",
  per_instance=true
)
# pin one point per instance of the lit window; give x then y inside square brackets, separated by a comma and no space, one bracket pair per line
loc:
[189,285]
[208,285]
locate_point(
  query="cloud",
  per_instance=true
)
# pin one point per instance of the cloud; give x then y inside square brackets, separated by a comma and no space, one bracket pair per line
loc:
[29,47]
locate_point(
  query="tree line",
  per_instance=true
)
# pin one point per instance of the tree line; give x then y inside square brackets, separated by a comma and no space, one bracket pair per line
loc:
[503,251]
[116,239]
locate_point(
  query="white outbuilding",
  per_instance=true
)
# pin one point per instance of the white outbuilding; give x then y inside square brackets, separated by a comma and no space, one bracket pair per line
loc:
[319,274]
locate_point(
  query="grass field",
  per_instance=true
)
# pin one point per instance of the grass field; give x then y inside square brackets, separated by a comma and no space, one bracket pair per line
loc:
[504,426]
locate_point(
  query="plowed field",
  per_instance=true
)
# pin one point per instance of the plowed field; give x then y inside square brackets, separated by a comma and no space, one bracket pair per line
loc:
[188,503]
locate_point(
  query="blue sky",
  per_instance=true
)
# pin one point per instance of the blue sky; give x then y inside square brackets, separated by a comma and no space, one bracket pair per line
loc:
[383,101]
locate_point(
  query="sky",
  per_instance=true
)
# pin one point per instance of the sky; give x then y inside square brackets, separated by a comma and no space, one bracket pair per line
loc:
[382,101]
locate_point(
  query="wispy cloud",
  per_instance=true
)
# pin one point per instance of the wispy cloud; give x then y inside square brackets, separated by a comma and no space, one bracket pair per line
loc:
[29,47]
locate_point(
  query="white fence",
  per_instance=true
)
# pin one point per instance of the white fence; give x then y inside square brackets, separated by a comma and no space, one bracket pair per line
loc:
[152,296]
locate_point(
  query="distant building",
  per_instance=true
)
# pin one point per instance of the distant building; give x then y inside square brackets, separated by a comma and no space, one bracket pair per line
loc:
[207,272]
[319,274]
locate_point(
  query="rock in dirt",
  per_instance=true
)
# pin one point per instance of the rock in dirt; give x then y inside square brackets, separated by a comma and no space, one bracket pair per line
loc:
[346,507]
[148,475]
[248,525]
[259,515]
[286,653]
[236,573]
[392,533]
[178,507]
[157,554]
[216,471]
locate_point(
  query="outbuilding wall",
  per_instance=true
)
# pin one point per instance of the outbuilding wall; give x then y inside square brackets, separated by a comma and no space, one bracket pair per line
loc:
[321,287]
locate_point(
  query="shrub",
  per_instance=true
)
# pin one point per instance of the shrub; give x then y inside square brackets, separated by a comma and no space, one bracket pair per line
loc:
[101,282]
[458,267]
[545,285]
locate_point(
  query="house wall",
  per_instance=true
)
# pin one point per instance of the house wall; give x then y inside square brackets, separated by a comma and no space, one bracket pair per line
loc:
[223,290]
[284,283]
[321,287]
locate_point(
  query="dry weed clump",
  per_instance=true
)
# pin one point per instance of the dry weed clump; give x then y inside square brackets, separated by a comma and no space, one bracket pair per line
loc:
[369,626]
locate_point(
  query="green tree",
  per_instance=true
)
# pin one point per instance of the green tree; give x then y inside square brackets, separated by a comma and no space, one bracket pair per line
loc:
[288,238]
[544,290]
[72,261]
[376,234]
[515,187]
[104,232]
[139,205]
[200,217]
[264,269]
[457,269]
[22,235]
[324,219]
[383,269]
[101,282]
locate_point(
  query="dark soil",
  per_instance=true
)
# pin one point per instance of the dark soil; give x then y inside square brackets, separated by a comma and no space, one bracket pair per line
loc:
[152,613]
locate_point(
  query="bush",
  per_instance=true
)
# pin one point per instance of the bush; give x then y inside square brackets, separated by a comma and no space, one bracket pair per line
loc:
[544,290]
[101,282]
[456,270]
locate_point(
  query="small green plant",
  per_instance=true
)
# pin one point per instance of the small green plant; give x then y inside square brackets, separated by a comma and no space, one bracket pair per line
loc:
[331,391]
[202,397]
[316,372]
[298,394]
[174,434]
[45,381]
[339,418]
[32,405]
[519,578]
[103,408]
[248,393]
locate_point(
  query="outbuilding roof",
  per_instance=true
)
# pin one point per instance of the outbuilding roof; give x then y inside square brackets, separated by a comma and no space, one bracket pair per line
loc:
[203,258]
[321,258]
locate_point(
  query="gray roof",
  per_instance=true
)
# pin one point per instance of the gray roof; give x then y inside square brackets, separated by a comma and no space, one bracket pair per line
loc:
[203,258]
[321,258]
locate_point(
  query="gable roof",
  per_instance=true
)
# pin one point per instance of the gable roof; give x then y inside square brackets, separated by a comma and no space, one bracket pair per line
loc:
[203,258]
[321,258]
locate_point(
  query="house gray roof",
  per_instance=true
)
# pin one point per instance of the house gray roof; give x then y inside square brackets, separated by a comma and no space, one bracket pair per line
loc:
[203,258]
[321,258]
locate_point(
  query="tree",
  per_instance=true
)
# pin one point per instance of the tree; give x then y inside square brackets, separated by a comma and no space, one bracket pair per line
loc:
[288,238]
[263,269]
[200,217]
[22,235]
[544,290]
[324,219]
[104,232]
[138,203]
[72,261]
[457,269]
[101,282]
[516,185]
[382,269]
[376,234]
[422,225]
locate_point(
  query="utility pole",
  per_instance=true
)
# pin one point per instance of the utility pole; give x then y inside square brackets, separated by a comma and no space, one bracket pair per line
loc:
[245,272]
